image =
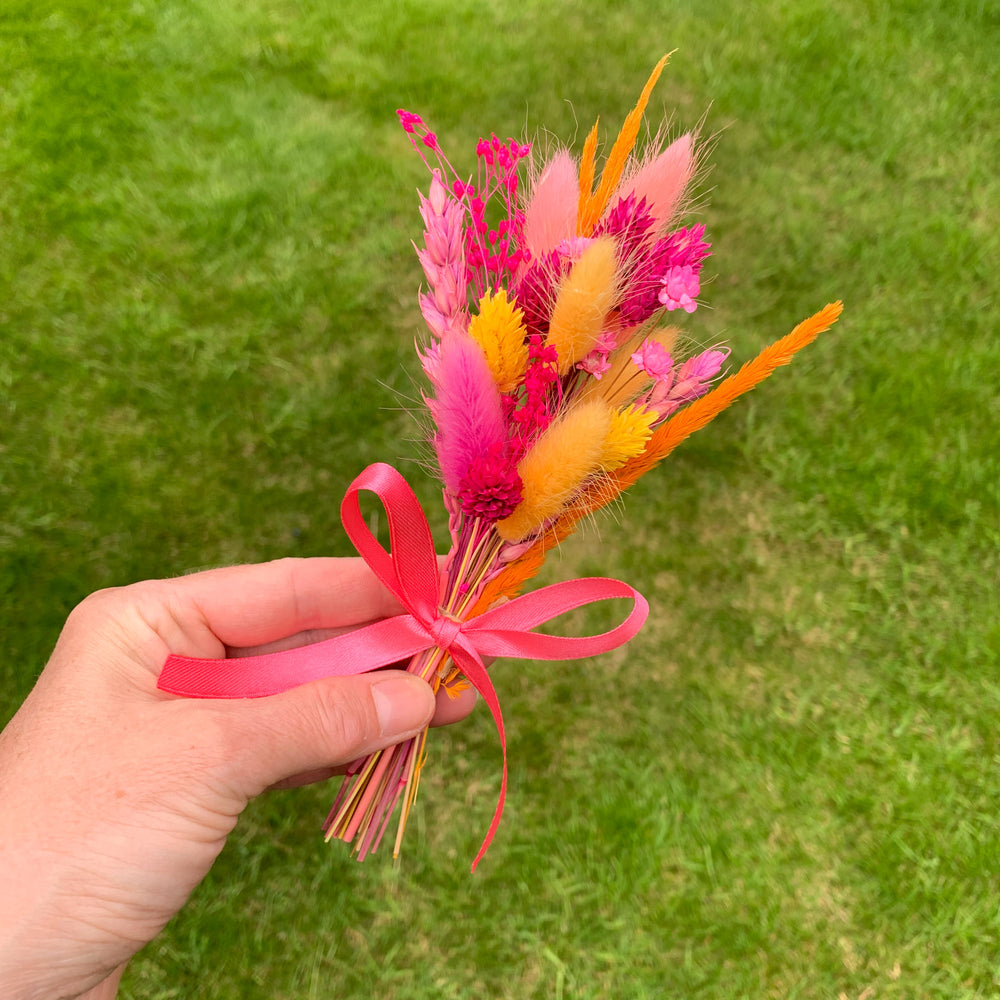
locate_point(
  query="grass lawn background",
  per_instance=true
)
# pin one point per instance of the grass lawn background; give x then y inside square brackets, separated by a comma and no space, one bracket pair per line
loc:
[787,786]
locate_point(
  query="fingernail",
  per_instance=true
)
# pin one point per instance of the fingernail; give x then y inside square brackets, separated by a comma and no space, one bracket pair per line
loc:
[404,705]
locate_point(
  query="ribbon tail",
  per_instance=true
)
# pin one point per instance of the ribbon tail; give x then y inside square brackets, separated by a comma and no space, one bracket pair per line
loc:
[379,644]
[478,676]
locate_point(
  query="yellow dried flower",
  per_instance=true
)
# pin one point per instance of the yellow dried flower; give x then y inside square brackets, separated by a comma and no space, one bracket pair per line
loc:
[499,330]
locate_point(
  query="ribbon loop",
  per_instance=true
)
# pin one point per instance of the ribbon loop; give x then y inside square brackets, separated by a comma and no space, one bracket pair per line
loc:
[410,571]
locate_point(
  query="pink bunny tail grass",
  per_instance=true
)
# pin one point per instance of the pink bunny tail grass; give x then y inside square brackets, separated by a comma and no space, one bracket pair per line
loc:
[466,409]
[550,216]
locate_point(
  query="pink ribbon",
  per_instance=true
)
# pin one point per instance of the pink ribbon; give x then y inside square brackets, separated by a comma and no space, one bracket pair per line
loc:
[410,571]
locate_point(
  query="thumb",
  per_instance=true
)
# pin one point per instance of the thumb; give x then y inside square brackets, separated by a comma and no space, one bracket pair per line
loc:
[321,725]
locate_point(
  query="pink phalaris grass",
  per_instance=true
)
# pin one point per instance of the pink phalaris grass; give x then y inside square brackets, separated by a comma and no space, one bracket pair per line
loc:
[443,261]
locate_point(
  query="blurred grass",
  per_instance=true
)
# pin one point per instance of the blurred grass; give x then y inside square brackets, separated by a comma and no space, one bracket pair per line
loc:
[786,786]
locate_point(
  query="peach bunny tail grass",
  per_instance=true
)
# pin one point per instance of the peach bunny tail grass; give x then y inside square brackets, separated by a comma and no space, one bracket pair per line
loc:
[565,455]
[585,298]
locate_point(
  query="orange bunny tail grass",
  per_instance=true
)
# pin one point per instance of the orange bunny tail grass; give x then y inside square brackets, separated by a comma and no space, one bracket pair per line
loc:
[591,211]
[692,418]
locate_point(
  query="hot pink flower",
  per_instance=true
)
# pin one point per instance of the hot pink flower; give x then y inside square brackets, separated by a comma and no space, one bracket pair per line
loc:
[491,488]
[596,363]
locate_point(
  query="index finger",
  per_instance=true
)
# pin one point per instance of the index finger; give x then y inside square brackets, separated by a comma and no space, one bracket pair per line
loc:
[255,604]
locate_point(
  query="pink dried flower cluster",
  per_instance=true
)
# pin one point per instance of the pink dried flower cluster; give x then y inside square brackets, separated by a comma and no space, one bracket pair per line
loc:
[676,385]
[533,411]
[477,241]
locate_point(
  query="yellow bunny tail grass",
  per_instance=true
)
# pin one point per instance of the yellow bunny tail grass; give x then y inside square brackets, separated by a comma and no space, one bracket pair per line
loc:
[587,173]
[615,163]
[585,298]
[499,331]
[566,454]
[628,432]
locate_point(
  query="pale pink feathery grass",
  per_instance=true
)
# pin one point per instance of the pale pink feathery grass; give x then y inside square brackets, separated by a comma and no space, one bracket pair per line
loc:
[550,215]
[663,179]
[443,260]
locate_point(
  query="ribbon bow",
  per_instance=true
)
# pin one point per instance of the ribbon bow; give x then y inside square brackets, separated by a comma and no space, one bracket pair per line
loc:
[410,571]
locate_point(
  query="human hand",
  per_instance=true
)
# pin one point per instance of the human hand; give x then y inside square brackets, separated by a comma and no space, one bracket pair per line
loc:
[116,798]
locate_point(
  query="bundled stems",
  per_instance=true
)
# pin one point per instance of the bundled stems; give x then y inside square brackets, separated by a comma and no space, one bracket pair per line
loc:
[372,788]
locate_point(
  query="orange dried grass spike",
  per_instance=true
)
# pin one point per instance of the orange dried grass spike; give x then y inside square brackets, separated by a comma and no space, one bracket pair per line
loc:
[595,204]
[692,418]
[587,173]
[663,441]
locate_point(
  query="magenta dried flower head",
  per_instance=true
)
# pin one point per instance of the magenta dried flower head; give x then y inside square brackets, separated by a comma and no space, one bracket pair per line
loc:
[630,223]
[687,246]
[491,489]
[652,267]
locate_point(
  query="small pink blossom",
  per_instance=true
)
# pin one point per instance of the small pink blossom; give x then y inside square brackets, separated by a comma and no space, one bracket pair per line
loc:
[703,366]
[606,341]
[654,359]
[572,249]
[596,363]
[692,380]
[680,288]
[408,120]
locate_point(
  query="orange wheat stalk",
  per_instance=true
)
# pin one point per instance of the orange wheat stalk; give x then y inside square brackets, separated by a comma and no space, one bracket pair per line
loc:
[663,441]
[693,417]
[586,179]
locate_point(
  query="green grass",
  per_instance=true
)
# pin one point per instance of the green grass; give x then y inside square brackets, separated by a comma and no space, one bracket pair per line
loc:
[787,785]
